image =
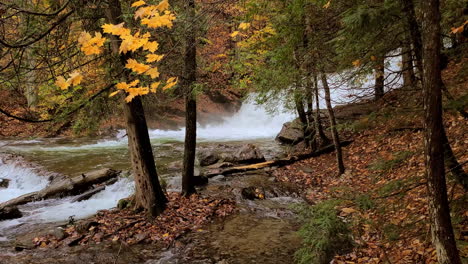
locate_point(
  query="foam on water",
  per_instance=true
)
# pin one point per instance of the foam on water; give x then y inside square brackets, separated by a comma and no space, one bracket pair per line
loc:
[22,180]
[61,209]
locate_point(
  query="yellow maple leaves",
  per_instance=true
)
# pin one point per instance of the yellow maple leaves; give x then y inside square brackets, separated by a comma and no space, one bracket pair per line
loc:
[150,16]
[74,79]
[157,20]
[91,45]
[153,57]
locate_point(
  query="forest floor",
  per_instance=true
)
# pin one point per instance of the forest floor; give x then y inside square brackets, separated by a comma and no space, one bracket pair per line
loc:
[382,195]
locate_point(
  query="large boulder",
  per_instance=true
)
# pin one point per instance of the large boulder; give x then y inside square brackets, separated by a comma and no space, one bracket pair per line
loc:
[291,133]
[248,154]
[207,157]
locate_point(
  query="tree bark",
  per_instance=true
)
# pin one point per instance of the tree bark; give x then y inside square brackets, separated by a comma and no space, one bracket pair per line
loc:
[379,78]
[441,226]
[190,103]
[149,194]
[408,67]
[331,115]
[415,33]
[322,139]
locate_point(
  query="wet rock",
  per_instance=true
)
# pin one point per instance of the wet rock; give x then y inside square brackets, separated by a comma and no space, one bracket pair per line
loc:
[207,157]
[84,226]
[248,154]
[58,233]
[220,165]
[299,147]
[122,204]
[140,237]
[200,180]
[218,178]
[175,165]
[291,132]
[251,193]
[4,183]
[10,212]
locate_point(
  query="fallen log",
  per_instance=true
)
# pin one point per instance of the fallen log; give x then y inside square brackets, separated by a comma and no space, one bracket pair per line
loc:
[88,194]
[275,163]
[69,186]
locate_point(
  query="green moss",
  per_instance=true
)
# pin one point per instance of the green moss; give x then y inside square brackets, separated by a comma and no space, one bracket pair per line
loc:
[323,233]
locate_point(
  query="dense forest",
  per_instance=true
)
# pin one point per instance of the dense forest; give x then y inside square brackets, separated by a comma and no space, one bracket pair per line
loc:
[243,131]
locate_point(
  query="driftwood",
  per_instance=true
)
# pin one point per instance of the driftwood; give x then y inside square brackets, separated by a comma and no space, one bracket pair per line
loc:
[275,163]
[69,186]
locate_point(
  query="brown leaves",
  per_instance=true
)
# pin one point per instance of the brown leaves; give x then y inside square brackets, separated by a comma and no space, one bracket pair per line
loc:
[182,215]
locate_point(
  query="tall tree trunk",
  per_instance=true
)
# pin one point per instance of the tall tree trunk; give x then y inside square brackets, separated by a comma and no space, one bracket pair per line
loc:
[408,68]
[302,117]
[322,139]
[441,225]
[149,194]
[331,115]
[379,78]
[190,102]
[415,33]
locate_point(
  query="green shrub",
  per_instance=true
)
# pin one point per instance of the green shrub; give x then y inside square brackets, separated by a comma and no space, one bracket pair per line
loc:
[323,233]
[365,202]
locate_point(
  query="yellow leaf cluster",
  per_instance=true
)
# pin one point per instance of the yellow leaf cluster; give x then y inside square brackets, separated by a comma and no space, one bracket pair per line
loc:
[327,5]
[133,42]
[74,79]
[137,67]
[91,45]
[138,3]
[131,90]
[151,10]
[157,20]
[170,83]
[153,57]
[118,30]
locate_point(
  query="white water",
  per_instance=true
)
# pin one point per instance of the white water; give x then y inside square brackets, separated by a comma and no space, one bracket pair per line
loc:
[250,122]
[56,210]
[22,180]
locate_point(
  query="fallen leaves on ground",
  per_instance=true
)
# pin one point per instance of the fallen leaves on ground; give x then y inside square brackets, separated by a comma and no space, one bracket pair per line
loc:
[182,215]
[395,229]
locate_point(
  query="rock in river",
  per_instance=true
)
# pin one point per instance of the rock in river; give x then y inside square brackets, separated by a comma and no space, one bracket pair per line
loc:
[10,212]
[291,133]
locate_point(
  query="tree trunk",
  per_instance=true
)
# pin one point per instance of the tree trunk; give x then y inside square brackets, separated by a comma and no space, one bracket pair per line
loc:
[441,226]
[190,103]
[30,89]
[331,115]
[379,78]
[452,163]
[408,68]
[322,139]
[149,194]
[415,33]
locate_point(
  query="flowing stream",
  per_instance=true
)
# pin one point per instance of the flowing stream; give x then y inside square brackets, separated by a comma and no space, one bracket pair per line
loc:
[71,157]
